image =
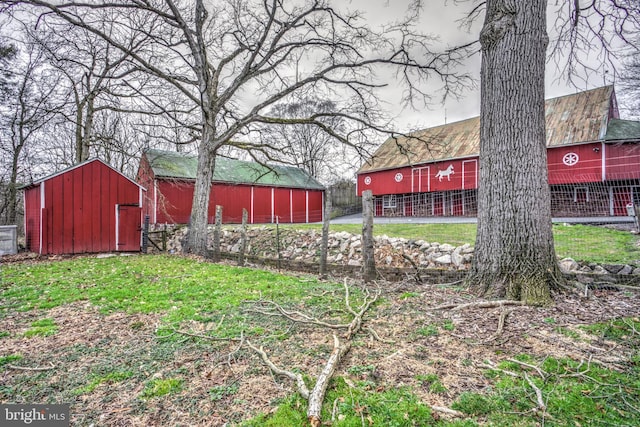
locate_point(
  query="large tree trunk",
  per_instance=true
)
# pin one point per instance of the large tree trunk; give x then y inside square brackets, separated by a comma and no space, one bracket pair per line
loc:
[198,221]
[514,252]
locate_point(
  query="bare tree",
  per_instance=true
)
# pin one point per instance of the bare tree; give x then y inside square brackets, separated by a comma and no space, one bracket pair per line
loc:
[308,146]
[25,112]
[515,255]
[235,60]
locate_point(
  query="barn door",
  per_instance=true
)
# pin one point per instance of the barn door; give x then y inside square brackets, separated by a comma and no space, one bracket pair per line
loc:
[128,228]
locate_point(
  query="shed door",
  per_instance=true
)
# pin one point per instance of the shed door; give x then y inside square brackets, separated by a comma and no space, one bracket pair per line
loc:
[128,228]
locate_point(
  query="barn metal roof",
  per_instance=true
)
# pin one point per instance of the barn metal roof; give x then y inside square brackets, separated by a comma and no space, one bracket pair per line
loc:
[169,164]
[570,119]
[622,130]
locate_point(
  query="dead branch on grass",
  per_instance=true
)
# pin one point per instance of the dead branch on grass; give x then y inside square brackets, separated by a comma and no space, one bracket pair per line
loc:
[26,368]
[504,313]
[316,396]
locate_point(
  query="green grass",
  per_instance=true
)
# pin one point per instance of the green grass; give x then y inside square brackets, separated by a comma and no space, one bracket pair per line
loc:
[353,406]
[180,288]
[596,244]
[42,327]
[7,360]
[575,392]
[110,378]
[161,387]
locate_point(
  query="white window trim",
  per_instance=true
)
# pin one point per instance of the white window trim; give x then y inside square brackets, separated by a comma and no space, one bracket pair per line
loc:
[389,201]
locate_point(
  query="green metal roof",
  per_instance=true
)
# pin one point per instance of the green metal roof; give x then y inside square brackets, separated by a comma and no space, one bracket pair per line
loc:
[168,164]
[622,129]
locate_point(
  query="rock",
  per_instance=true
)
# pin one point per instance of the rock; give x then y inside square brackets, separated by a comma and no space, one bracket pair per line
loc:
[388,259]
[338,257]
[457,259]
[445,247]
[636,270]
[613,268]
[444,259]
[598,269]
[355,244]
[568,265]
[354,262]
[627,269]
[105,255]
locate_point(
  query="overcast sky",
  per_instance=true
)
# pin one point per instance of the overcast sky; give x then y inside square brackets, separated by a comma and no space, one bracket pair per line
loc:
[441,18]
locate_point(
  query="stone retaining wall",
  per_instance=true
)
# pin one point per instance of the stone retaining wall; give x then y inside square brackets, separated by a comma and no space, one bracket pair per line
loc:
[440,262]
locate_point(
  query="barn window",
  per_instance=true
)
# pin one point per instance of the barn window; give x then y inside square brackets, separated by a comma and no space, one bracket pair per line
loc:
[389,201]
[581,194]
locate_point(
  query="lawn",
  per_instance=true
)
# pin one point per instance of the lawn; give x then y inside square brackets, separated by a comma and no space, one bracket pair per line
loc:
[124,341]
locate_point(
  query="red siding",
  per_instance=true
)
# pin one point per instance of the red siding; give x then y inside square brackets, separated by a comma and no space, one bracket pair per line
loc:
[622,161]
[299,202]
[262,205]
[395,181]
[575,164]
[315,205]
[233,198]
[174,201]
[79,212]
[282,204]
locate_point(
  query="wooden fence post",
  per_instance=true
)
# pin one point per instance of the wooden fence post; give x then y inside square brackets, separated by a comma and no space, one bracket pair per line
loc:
[216,234]
[243,238]
[368,252]
[324,245]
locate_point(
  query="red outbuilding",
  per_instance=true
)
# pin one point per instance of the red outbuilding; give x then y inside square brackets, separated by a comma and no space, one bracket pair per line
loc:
[269,193]
[89,207]
[593,161]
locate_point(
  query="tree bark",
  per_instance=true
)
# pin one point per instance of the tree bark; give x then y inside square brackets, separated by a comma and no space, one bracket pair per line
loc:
[197,236]
[324,246]
[368,251]
[514,253]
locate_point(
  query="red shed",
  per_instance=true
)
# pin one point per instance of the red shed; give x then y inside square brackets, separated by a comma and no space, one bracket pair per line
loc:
[268,193]
[89,207]
[593,161]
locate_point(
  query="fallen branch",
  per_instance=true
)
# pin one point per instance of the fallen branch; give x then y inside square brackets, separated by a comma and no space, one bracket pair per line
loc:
[539,399]
[317,394]
[297,378]
[448,411]
[479,304]
[417,276]
[26,368]
[501,321]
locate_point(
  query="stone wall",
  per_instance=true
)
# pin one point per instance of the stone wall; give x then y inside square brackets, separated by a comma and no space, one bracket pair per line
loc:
[395,257]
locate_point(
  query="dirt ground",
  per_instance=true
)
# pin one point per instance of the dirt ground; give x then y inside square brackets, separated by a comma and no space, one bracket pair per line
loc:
[88,343]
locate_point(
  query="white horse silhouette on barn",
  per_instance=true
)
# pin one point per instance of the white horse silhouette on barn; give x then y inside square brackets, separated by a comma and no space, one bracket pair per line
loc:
[447,172]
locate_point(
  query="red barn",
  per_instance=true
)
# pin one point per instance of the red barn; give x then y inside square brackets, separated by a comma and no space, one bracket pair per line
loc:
[268,193]
[89,207]
[593,161]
